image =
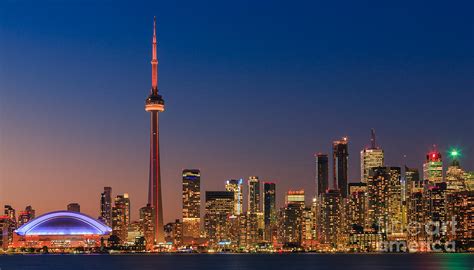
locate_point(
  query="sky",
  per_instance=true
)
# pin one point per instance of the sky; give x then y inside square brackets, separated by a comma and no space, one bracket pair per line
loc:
[251,88]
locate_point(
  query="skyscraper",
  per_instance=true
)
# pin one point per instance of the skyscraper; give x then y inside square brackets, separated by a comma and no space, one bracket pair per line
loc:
[356,207]
[155,104]
[340,159]
[219,208]
[322,172]
[74,207]
[191,203]
[433,167]
[384,190]
[370,157]
[253,195]
[269,208]
[106,206]
[146,218]
[330,226]
[236,187]
[291,218]
[254,234]
[121,217]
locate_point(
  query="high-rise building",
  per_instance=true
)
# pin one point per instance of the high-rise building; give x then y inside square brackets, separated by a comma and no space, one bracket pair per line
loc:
[269,209]
[433,167]
[370,157]
[106,206]
[155,104]
[219,209]
[191,204]
[146,219]
[253,194]
[329,229]
[236,187]
[291,227]
[74,207]
[25,216]
[356,207]
[377,199]
[10,222]
[436,211]
[416,215]
[322,173]
[253,210]
[340,161]
[121,217]
[4,232]
[455,175]
[461,209]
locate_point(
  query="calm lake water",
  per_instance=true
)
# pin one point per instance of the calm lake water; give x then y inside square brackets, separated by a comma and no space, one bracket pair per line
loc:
[240,261]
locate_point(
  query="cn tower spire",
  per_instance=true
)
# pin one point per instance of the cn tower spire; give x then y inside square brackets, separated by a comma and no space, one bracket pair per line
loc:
[154,62]
[155,104]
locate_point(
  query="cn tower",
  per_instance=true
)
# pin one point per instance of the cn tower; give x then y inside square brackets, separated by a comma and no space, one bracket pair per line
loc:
[155,104]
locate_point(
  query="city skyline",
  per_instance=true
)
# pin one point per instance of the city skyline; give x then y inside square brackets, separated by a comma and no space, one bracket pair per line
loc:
[84,164]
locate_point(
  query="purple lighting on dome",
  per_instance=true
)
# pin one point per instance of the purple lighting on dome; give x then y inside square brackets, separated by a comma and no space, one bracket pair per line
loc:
[63,223]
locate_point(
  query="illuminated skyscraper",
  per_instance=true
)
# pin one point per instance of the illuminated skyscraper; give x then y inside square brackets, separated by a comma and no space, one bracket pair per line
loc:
[291,227]
[253,211]
[322,173]
[370,157]
[433,167]
[356,207]
[377,199]
[106,206]
[330,219]
[155,104]
[191,203]
[436,210]
[121,217]
[236,187]
[340,160]
[253,195]
[269,209]
[219,208]
[455,175]
[74,207]
[10,222]
[146,218]
[461,208]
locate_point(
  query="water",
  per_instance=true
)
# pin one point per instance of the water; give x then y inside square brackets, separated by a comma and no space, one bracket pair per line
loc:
[240,261]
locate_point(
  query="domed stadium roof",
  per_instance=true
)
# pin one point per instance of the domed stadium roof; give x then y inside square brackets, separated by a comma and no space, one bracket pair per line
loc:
[63,223]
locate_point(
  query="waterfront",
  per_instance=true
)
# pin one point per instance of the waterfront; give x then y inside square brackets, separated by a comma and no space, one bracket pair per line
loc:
[239,261]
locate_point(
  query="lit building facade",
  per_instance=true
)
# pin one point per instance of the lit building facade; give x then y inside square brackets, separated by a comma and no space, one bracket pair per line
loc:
[146,219]
[356,207]
[121,217]
[330,223]
[236,186]
[254,234]
[292,219]
[269,209]
[191,204]
[106,206]
[370,157]
[219,209]
[433,167]
[340,162]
